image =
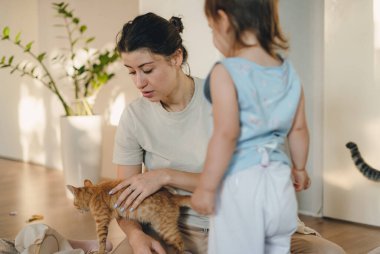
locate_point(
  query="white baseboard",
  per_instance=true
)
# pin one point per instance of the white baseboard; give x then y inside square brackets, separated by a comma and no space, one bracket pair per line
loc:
[308,213]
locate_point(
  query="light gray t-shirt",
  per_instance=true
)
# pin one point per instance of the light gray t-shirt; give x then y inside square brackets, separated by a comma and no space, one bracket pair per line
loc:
[149,134]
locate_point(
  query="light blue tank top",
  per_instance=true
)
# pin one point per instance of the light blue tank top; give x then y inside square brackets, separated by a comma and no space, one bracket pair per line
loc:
[268,98]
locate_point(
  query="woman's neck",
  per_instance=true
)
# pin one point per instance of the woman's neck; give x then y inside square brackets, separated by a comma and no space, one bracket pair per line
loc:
[181,95]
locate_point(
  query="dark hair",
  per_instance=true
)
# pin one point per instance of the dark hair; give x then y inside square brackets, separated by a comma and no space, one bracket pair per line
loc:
[154,33]
[258,16]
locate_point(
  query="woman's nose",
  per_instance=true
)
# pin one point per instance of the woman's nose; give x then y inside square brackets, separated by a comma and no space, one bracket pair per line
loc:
[140,81]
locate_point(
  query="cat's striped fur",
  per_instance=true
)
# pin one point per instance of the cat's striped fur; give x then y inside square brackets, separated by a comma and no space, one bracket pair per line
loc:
[368,171]
[161,210]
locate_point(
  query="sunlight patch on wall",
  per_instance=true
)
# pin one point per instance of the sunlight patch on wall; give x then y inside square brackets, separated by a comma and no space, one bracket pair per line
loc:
[376,27]
[337,180]
[116,110]
[32,122]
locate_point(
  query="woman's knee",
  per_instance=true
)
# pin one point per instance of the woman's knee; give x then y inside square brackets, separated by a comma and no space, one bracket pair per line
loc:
[313,244]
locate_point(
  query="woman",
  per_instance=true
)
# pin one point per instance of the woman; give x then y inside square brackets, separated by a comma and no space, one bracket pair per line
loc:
[167,130]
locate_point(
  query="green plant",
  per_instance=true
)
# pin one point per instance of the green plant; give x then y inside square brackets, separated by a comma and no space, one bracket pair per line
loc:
[87,78]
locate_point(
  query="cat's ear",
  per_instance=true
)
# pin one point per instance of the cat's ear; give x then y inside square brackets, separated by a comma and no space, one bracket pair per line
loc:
[72,189]
[87,183]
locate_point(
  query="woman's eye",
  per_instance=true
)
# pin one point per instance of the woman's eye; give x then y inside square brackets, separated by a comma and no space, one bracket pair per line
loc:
[132,73]
[147,71]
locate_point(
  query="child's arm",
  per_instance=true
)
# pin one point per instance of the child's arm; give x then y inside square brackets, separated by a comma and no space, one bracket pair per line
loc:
[298,138]
[223,140]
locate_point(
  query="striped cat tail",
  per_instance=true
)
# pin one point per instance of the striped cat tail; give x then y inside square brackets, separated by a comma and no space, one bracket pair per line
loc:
[368,171]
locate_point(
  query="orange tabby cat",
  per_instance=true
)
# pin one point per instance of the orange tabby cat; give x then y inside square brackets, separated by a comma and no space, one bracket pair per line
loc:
[160,210]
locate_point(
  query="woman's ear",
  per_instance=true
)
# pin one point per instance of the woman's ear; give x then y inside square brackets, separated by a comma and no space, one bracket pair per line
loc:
[177,58]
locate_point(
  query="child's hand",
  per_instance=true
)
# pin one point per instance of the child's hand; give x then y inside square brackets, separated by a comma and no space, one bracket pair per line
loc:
[301,180]
[203,201]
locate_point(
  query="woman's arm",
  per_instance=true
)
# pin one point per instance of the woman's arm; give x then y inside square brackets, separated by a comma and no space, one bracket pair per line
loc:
[139,186]
[182,180]
[139,241]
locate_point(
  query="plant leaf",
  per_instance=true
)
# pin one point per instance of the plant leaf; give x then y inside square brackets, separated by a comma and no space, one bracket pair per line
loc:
[74,42]
[10,60]
[90,40]
[17,38]
[81,70]
[32,71]
[41,57]
[6,32]
[75,20]
[58,4]
[28,46]
[82,29]
[2,60]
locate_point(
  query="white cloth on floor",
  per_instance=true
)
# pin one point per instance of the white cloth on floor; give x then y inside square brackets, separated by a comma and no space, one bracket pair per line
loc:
[303,229]
[41,239]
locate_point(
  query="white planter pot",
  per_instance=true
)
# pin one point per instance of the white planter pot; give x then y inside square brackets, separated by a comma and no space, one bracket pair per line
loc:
[81,141]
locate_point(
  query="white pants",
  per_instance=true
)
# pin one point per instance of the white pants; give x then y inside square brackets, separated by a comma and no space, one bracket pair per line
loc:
[256,212]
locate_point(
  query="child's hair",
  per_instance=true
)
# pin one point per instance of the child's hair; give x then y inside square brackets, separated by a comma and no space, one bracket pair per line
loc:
[258,16]
[154,33]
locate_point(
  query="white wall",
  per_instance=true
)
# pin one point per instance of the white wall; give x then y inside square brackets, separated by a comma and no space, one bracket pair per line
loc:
[12,137]
[351,111]
[197,36]
[303,23]
[29,128]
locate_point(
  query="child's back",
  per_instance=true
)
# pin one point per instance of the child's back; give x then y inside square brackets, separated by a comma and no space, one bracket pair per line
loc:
[257,103]
[268,98]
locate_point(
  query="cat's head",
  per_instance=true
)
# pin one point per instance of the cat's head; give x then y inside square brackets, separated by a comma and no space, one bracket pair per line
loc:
[82,195]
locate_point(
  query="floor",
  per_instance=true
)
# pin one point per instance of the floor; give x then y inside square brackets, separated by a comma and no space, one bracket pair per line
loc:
[27,190]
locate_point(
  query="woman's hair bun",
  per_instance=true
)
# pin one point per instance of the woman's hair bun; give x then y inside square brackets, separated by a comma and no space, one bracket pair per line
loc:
[177,22]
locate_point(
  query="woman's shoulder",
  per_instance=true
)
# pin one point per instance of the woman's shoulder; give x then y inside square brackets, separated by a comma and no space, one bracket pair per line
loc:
[137,107]
[198,81]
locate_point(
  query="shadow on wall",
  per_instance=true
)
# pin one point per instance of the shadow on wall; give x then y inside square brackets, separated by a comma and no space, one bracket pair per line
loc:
[30,114]
[111,102]
[37,115]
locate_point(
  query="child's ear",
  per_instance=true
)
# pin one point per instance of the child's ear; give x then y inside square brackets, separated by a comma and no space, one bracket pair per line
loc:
[87,183]
[223,21]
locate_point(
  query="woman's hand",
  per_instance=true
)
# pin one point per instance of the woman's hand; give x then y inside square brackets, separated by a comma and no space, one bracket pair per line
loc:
[301,180]
[203,201]
[138,187]
[142,243]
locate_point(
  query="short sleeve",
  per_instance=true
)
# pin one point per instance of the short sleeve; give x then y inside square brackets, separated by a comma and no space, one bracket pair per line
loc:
[206,87]
[127,149]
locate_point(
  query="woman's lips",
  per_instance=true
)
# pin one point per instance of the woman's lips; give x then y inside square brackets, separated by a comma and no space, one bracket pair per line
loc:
[148,94]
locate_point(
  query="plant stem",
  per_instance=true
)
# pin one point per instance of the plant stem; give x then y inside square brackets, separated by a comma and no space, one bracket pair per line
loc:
[72,53]
[51,85]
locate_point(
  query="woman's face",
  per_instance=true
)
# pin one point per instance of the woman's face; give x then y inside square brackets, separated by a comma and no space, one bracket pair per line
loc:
[154,75]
